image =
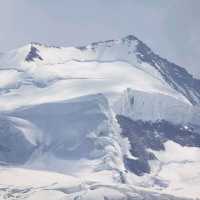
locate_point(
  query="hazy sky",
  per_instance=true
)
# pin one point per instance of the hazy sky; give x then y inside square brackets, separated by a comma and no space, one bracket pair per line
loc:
[170,27]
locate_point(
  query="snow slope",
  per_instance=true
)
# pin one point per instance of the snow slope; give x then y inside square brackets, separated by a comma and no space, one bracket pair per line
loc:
[18,183]
[75,135]
[38,74]
[59,109]
[81,138]
[178,166]
[38,83]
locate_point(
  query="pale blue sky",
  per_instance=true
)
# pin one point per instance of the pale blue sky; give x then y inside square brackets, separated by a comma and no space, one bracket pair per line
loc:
[169,27]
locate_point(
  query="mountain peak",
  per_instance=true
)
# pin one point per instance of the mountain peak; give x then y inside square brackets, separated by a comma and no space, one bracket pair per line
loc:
[130,37]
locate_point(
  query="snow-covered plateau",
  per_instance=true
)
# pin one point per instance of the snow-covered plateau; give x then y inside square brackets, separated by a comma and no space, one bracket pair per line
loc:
[108,121]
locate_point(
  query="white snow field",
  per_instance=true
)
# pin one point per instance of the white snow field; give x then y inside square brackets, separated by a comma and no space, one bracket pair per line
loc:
[176,171]
[59,136]
[19,183]
[80,154]
[72,72]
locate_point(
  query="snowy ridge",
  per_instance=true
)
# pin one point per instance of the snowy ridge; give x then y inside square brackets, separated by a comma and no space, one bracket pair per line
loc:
[99,121]
[108,67]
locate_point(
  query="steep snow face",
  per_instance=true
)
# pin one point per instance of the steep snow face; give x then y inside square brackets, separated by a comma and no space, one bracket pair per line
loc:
[155,106]
[82,133]
[131,49]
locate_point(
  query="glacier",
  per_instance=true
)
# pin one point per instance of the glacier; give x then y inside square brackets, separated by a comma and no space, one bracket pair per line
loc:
[98,121]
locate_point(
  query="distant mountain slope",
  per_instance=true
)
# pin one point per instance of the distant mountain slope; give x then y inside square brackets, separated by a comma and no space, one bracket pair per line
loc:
[122,120]
[140,68]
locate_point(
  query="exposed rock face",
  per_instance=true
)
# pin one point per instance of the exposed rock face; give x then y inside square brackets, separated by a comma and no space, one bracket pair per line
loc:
[33,54]
[152,135]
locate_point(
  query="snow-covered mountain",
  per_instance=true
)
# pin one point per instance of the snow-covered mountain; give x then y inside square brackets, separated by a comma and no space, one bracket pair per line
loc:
[113,118]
